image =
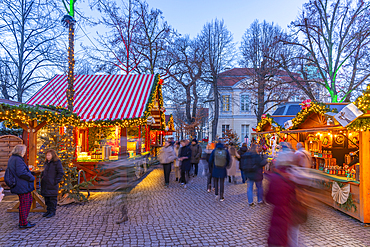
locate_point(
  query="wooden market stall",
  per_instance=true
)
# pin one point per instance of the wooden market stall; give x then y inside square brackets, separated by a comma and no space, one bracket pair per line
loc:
[122,115]
[31,119]
[339,154]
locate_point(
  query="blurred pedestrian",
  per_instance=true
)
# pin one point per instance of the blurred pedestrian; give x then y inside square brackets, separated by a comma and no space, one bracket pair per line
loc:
[184,157]
[50,179]
[242,151]
[252,165]
[234,164]
[21,182]
[166,156]
[281,194]
[177,163]
[220,161]
[196,153]
[304,158]
[290,210]
[208,152]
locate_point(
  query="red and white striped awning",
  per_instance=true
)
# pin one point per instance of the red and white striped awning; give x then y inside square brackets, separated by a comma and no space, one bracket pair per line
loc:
[100,97]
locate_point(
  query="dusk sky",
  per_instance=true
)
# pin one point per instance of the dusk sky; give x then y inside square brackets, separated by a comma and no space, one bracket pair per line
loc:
[189,16]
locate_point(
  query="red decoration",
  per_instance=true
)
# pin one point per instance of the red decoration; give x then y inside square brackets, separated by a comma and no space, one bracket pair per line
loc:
[263,116]
[160,81]
[306,104]
[254,129]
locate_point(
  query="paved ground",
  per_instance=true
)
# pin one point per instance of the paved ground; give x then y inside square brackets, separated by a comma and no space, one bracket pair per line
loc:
[173,216]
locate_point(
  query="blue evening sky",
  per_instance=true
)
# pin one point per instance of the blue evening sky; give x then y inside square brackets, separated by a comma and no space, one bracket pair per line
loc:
[189,16]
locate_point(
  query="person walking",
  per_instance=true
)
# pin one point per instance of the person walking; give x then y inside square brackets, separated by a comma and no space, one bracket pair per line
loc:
[196,153]
[281,194]
[166,156]
[176,163]
[208,152]
[252,165]
[184,157]
[220,161]
[231,171]
[242,151]
[50,179]
[21,182]
[304,158]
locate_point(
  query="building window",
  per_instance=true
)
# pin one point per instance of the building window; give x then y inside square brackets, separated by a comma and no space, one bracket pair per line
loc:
[244,103]
[245,132]
[226,103]
[224,128]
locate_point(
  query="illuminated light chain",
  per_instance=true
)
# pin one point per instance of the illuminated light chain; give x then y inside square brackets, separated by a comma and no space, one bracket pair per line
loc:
[268,120]
[306,112]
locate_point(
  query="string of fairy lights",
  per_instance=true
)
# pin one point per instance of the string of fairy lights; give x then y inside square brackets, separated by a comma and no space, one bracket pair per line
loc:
[62,116]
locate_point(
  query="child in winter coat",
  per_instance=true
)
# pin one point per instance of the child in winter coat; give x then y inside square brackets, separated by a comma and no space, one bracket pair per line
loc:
[50,179]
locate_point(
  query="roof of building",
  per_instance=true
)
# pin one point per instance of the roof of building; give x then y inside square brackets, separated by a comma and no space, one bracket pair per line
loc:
[231,77]
[9,102]
[100,97]
[289,110]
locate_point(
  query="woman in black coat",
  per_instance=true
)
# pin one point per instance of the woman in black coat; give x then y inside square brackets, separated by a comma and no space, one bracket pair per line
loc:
[21,182]
[50,179]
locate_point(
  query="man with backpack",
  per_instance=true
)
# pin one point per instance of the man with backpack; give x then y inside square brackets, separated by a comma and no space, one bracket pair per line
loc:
[220,161]
[251,164]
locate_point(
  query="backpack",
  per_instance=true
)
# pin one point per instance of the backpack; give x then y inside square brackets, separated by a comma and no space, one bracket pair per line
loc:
[249,163]
[9,178]
[220,158]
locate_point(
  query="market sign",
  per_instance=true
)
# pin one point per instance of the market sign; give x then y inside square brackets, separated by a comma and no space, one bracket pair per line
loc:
[348,114]
[288,124]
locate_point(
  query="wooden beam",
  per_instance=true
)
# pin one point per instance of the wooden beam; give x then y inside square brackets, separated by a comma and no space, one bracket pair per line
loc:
[364,176]
[22,125]
[41,125]
[32,143]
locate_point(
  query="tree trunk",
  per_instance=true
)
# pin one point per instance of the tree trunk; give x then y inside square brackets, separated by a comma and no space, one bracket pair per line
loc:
[188,105]
[216,109]
[195,102]
[71,65]
[260,98]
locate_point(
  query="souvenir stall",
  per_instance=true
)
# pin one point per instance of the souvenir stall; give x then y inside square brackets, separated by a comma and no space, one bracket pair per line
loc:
[121,115]
[339,146]
[31,119]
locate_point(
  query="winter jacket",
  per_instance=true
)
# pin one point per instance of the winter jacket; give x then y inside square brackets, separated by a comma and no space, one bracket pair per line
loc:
[207,156]
[196,153]
[219,172]
[234,165]
[185,152]
[281,194]
[23,176]
[176,162]
[256,175]
[51,177]
[166,155]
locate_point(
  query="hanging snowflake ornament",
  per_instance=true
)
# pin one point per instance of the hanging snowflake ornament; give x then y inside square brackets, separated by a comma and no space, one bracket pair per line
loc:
[340,195]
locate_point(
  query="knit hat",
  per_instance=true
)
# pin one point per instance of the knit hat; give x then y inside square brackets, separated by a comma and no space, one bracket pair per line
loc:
[194,140]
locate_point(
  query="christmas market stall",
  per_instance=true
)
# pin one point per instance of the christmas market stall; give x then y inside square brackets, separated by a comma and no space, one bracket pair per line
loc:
[121,115]
[31,119]
[336,137]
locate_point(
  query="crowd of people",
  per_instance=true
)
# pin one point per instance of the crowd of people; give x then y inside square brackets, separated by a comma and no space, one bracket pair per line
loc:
[287,178]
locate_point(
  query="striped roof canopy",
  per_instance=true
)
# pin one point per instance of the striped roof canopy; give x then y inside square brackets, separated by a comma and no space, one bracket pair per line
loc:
[101,97]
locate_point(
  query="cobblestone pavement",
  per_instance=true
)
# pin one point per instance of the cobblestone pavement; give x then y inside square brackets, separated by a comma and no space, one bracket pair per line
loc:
[173,216]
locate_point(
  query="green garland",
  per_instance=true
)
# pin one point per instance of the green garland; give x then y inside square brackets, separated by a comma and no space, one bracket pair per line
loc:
[268,120]
[27,113]
[315,107]
[360,124]
[349,204]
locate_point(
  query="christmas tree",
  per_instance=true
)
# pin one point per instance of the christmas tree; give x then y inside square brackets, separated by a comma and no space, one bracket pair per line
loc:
[363,102]
[231,137]
[64,146]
